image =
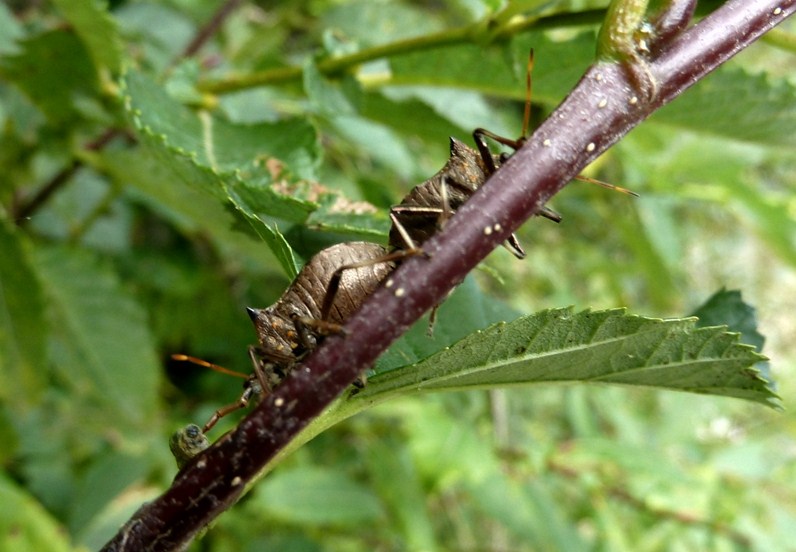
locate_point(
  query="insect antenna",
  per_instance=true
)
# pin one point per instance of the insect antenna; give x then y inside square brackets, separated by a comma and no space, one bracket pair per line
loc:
[204,363]
[526,116]
[526,120]
[612,187]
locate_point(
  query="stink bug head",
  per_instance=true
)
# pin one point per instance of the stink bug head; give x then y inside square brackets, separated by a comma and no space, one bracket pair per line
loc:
[276,335]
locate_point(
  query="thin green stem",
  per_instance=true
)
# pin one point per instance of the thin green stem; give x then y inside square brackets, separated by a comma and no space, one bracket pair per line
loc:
[781,39]
[472,34]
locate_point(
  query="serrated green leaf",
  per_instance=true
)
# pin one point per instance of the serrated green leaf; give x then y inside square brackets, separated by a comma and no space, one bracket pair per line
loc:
[248,200]
[606,347]
[217,144]
[23,331]
[259,201]
[223,159]
[54,87]
[317,496]
[96,28]
[25,524]
[466,311]
[100,340]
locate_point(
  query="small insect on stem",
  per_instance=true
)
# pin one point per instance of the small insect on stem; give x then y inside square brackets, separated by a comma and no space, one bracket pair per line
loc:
[480,134]
[186,443]
[428,206]
[325,293]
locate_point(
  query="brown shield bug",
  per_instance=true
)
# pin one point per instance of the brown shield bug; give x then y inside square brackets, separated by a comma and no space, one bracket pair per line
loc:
[326,292]
[426,208]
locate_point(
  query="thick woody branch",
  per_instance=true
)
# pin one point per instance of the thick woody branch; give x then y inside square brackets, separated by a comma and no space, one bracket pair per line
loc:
[604,106]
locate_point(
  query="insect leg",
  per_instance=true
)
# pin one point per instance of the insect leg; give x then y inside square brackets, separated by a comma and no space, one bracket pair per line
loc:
[242,402]
[409,244]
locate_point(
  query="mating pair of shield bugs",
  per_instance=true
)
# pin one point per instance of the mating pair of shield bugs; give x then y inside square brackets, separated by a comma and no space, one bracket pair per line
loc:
[336,281]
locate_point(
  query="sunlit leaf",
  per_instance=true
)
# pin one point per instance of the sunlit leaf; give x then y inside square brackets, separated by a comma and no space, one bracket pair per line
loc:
[25,524]
[736,104]
[395,479]
[10,30]
[317,496]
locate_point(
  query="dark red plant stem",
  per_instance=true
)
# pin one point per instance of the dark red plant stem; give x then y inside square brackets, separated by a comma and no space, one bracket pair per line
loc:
[595,115]
[210,28]
[23,212]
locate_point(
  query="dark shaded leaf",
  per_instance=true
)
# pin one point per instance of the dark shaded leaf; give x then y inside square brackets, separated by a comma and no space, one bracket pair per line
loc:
[23,331]
[97,29]
[101,341]
[53,87]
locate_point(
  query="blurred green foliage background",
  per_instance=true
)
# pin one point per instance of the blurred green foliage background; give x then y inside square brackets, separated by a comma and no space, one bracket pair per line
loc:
[124,238]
